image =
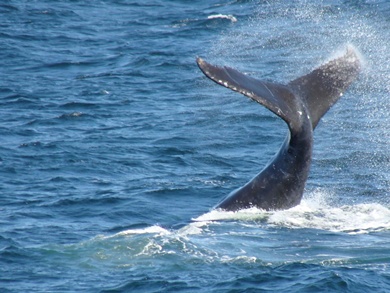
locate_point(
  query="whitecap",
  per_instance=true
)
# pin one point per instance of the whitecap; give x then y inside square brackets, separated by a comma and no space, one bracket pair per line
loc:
[223,16]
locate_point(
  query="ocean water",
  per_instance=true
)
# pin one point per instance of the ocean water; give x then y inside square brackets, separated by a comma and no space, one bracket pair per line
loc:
[114,148]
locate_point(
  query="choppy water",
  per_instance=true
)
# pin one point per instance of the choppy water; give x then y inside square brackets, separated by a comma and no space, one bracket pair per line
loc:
[114,148]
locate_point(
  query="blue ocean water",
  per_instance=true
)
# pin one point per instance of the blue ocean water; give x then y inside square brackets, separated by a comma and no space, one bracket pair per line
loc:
[114,148]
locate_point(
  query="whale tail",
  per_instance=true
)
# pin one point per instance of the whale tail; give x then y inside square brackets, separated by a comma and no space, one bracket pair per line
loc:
[319,89]
[322,87]
[301,104]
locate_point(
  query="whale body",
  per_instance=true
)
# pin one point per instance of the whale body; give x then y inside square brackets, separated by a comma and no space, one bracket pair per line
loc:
[300,103]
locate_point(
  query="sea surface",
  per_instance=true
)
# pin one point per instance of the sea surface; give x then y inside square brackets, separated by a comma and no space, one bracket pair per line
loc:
[114,148]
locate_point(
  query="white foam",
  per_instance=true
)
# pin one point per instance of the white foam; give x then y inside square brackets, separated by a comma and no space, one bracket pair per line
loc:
[314,212]
[148,230]
[224,16]
[193,228]
[353,219]
[359,218]
[220,215]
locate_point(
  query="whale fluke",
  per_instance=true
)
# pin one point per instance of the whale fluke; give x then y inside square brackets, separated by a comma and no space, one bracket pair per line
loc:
[301,104]
[322,87]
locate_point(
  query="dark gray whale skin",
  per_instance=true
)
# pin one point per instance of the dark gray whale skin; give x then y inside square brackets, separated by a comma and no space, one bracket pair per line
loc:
[301,104]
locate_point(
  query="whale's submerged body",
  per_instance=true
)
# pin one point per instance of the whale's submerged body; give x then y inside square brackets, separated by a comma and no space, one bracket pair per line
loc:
[301,104]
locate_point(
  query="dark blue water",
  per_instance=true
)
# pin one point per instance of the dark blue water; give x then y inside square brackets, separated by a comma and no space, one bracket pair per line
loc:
[114,148]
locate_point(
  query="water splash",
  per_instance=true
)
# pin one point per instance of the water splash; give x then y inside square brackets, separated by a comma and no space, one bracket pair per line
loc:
[317,211]
[352,219]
